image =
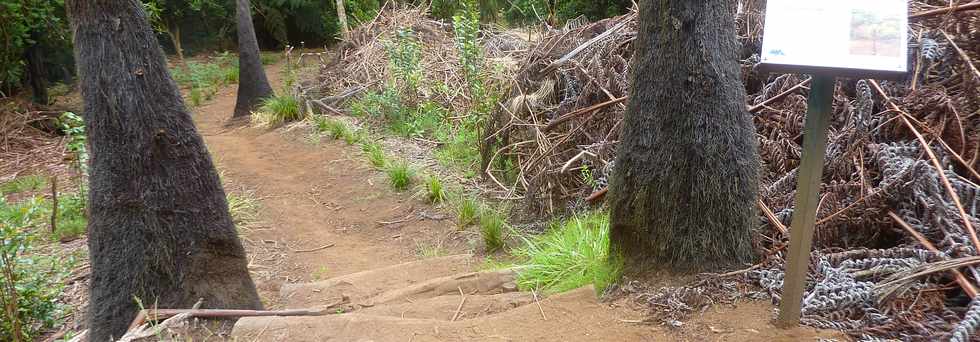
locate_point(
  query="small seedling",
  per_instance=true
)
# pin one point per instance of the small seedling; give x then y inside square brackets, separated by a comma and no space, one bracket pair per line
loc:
[320,273]
[400,175]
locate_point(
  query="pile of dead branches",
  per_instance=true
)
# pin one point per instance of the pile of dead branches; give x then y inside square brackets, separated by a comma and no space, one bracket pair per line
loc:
[900,204]
[361,62]
[28,143]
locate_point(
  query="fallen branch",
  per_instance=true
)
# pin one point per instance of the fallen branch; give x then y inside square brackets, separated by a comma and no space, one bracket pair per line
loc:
[314,249]
[461,302]
[554,123]
[157,314]
[947,10]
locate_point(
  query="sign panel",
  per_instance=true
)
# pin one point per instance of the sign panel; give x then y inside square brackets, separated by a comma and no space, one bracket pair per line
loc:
[854,37]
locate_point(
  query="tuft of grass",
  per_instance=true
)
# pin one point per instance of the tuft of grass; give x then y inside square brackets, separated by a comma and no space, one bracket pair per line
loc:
[244,208]
[22,184]
[492,225]
[269,58]
[276,110]
[400,175]
[434,190]
[336,129]
[375,155]
[321,273]
[572,254]
[425,251]
[466,211]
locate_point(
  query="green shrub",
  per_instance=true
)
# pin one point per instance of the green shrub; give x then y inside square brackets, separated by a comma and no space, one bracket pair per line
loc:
[22,184]
[492,225]
[276,110]
[434,190]
[29,280]
[572,254]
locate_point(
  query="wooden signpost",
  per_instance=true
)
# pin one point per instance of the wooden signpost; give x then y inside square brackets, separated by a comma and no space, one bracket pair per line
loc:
[827,39]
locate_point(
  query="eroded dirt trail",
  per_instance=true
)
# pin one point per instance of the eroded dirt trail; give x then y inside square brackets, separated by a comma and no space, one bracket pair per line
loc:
[332,234]
[311,196]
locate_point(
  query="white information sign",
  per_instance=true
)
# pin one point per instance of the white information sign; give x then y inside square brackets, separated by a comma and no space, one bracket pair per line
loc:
[860,35]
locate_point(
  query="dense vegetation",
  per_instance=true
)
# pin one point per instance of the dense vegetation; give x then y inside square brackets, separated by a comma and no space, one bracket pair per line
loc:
[191,27]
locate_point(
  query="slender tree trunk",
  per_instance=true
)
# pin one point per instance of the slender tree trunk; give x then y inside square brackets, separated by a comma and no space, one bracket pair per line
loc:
[174,33]
[159,227]
[253,86]
[342,16]
[35,70]
[686,176]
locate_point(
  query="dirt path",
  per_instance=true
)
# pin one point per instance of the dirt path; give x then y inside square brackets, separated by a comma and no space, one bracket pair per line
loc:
[317,195]
[314,195]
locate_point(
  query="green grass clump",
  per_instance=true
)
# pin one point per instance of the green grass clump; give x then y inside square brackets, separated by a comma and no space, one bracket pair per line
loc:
[23,183]
[269,58]
[434,190]
[205,78]
[276,110]
[572,254]
[492,225]
[244,208]
[336,129]
[400,175]
[375,154]
[429,251]
[466,211]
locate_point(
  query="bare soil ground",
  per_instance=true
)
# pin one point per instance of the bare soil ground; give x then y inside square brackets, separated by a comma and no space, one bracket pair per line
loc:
[317,195]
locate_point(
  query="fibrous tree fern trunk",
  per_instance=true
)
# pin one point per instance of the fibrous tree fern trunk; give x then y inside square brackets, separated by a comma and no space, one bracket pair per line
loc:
[159,229]
[686,177]
[253,86]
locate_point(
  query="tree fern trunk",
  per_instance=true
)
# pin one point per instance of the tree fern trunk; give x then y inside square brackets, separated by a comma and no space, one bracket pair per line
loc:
[253,86]
[686,177]
[159,227]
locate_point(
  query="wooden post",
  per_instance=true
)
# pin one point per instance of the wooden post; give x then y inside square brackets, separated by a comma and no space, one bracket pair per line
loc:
[819,109]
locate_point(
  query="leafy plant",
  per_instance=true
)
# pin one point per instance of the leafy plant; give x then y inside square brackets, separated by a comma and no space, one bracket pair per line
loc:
[277,109]
[400,175]
[74,128]
[30,282]
[572,254]
[434,190]
[405,59]
[492,225]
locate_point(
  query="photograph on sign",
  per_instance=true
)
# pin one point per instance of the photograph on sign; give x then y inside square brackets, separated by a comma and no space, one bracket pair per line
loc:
[857,35]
